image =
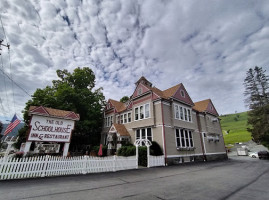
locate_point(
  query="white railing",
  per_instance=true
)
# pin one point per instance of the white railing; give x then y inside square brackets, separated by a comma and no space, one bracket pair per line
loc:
[154,161]
[32,167]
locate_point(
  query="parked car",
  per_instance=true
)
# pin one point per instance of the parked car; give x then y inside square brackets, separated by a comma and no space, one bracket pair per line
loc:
[253,154]
[263,154]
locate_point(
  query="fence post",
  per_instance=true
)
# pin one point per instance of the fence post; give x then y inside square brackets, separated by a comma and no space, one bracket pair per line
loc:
[84,171]
[148,156]
[45,166]
[136,157]
[114,163]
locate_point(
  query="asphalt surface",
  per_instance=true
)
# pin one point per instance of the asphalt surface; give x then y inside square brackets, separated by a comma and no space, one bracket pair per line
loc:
[237,178]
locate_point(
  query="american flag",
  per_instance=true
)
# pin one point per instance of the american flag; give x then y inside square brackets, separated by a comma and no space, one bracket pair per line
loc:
[14,122]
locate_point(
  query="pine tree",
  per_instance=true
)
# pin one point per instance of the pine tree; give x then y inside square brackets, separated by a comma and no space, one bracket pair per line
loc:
[256,88]
[257,98]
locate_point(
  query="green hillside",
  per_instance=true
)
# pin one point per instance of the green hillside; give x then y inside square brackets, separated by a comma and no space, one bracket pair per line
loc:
[234,128]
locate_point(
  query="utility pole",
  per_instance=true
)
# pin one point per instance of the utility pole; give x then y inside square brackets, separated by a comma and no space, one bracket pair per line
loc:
[4,45]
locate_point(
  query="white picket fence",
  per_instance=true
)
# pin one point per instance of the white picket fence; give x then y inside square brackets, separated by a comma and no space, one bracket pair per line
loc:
[32,167]
[154,161]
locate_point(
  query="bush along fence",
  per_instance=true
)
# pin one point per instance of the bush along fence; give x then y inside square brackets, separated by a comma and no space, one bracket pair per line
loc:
[45,166]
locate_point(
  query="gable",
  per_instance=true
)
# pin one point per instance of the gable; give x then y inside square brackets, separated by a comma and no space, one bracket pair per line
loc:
[182,95]
[112,129]
[109,105]
[72,115]
[40,110]
[140,89]
[211,109]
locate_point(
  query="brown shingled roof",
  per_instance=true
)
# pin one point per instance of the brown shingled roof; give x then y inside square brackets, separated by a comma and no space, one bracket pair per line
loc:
[40,110]
[171,91]
[201,106]
[121,130]
[118,105]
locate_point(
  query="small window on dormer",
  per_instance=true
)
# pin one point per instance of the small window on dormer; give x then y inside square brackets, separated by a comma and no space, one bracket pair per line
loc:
[139,91]
[108,105]
[182,93]
[211,107]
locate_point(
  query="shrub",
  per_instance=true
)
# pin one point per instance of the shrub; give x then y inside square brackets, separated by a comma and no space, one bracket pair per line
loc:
[126,151]
[155,149]
[142,156]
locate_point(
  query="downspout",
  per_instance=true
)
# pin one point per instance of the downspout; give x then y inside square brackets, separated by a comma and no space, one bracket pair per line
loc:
[164,142]
[200,133]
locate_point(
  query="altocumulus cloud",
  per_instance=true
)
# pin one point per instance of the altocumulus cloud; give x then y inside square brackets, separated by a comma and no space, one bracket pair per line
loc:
[206,45]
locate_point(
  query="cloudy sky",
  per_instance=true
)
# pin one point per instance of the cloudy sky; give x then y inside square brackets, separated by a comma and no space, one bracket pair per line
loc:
[206,45]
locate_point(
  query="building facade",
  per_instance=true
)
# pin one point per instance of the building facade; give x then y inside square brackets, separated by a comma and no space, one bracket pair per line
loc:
[186,131]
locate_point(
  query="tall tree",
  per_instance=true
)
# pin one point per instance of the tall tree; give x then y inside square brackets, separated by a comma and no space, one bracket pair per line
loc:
[257,98]
[256,88]
[73,92]
[124,99]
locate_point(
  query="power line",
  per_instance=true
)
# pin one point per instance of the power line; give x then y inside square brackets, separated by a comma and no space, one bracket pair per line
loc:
[15,83]
[3,28]
[5,85]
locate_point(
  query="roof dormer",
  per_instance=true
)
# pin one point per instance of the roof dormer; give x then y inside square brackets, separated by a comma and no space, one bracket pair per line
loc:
[144,81]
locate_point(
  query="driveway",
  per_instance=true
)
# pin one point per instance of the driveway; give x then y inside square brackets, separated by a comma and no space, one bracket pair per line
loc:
[237,178]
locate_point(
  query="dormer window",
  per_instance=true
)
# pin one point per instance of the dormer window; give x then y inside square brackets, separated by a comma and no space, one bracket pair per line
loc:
[182,93]
[108,106]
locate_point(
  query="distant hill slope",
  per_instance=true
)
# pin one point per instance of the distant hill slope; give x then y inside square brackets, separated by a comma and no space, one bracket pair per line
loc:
[234,128]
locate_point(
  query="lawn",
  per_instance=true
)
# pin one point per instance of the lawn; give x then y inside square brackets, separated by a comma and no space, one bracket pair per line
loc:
[234,128]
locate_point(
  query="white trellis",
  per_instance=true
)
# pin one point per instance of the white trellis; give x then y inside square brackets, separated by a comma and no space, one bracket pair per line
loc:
[152,160]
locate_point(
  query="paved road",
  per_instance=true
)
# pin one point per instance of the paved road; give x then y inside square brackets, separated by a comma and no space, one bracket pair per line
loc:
[238,178]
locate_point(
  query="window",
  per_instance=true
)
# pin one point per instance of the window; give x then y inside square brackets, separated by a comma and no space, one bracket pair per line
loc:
[186,114]
[142,112]
[182,93]
[118,119]
[139,91]
[184,138]
[125,118]
[136,114]
[176,112]
[108,121]
[111,120]
[189,115]
[183,113]
[147,111]
[144,133]
[141,108]
[129,117]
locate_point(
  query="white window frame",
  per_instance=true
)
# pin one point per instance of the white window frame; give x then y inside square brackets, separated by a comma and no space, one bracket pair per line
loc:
[184,136]
[141,112]
[125,118]
[146,133]
[108,121]
[129,116]
[182,113]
